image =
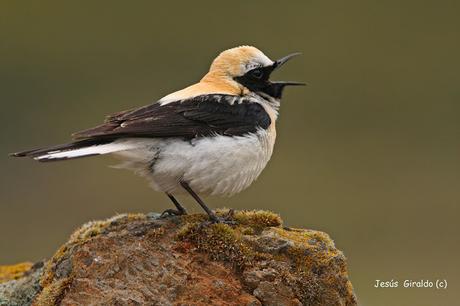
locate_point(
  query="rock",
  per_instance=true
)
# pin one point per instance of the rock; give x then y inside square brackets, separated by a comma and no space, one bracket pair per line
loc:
[253,276]
[19,284]
[275,294]
[136,259]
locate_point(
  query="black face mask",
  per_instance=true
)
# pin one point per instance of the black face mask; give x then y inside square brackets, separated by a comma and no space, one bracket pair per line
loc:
[257,79]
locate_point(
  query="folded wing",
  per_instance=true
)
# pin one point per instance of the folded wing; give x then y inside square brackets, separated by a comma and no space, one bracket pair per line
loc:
[206,115]
[199,116]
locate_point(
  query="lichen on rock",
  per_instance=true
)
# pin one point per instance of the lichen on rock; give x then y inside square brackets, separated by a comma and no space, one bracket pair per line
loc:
[19,284]
[16,271]
[184,260]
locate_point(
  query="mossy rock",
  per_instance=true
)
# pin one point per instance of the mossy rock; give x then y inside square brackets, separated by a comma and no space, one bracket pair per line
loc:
[307,265]
[135,259]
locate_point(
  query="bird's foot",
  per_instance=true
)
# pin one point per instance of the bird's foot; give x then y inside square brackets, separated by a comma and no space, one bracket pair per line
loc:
[173,212]
[225,219]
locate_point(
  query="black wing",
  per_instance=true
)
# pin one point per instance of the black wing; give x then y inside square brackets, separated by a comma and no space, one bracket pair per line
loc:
[195,117]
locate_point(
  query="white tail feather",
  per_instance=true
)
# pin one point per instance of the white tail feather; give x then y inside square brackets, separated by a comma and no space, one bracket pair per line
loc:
[87,151]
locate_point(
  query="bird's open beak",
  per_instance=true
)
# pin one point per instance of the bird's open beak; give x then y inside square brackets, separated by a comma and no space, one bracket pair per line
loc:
[276,88]
[280,62]
[261,82]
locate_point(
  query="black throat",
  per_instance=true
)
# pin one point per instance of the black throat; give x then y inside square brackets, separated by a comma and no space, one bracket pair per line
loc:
[257,80]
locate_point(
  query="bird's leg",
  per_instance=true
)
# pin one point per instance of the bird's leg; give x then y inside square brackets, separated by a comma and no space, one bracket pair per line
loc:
[210,213]
[214,218]
[175,212]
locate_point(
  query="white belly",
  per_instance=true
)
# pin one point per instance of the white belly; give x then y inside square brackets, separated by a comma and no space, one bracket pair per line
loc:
[218,165]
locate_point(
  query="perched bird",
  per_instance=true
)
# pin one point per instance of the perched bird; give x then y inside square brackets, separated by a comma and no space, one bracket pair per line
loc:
[214,137]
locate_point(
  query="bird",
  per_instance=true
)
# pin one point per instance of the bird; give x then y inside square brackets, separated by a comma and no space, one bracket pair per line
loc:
[211,138]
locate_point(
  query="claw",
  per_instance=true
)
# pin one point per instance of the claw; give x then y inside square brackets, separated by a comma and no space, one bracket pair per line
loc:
[172,212]
[230,214]
[226,219]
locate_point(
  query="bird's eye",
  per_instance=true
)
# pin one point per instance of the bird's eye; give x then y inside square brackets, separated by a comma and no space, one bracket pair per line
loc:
[257,73]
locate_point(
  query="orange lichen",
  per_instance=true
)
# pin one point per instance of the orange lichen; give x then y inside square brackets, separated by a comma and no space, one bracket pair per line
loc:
[16,271]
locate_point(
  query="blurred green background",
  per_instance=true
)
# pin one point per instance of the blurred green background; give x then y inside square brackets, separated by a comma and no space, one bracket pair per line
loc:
[369,152]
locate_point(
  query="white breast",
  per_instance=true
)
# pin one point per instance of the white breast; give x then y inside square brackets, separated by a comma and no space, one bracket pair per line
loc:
[219,165]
